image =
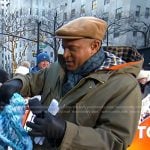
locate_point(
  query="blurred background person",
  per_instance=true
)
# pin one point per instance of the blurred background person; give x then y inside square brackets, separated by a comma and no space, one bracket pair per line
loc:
[23,68]
[144,82]
[43,61]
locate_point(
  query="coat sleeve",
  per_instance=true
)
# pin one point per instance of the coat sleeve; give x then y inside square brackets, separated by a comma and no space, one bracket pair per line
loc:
[116,124]
[33,83]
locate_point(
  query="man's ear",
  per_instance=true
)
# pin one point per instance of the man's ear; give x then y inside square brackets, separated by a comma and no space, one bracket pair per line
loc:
[95,46]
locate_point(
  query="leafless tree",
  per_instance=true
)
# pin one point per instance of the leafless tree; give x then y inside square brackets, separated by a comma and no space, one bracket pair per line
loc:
[47,32]
[139,25]
[12,29]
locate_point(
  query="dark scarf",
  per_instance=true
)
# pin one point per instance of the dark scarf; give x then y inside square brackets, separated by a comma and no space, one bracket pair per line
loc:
[92,64]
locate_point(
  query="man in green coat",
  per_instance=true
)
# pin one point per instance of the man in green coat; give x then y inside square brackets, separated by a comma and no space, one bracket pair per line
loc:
[98,94]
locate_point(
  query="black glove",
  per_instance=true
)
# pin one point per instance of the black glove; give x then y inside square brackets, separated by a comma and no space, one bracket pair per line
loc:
[8,89]
[36,107]
[51,127]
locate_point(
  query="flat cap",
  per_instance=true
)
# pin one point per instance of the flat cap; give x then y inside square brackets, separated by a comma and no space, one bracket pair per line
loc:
[83,27]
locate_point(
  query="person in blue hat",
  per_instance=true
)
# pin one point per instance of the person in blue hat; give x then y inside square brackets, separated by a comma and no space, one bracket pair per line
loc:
[43,61]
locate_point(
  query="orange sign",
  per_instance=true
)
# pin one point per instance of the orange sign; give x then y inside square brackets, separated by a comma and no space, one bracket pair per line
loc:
[142,138]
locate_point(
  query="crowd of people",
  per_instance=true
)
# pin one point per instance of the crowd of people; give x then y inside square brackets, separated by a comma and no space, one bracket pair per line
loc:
[43,61]
[95,89]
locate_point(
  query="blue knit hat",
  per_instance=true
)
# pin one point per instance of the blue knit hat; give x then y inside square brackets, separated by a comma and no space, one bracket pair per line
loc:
[42,57]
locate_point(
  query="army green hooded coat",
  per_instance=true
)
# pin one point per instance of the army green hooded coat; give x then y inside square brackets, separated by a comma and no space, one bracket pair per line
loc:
[101,111]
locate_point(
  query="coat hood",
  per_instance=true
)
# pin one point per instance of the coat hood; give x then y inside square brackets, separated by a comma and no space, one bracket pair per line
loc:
[133,60]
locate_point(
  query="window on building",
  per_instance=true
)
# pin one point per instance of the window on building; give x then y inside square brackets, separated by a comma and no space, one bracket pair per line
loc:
[82,11]
[134,33]
[49,23]
[73,13]
[20,44]
[17,14]
[24,33]
[51,54]
[29,20]
[21,12]
[12,16]
[49,5]
[65,16]
[118,13]
[43,12]
[43,22]
[116,33]
[105,16]
[73,1]
[137,12]
[33,53]
[147,12]
[23,53]
[37,11]
[61,7]
[2,12]
[33,31]
[106,2]
[94,4]
[30,11]
[20,22]
[3,26]
[15,55]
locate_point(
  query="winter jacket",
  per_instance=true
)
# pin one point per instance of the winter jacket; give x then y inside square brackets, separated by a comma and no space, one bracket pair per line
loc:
[35,69]
[103,108]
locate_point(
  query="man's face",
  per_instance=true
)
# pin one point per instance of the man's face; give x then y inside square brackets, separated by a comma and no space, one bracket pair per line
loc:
[76,52]
[43,64]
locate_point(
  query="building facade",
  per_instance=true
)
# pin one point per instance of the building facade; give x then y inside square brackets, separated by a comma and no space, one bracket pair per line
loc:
[125,18]
[5,56]
[26,26]
[36,21]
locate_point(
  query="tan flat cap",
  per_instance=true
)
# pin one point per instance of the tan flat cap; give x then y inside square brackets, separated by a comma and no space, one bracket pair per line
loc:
[83,27]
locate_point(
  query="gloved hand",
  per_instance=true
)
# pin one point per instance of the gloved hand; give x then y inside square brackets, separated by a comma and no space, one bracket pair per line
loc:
[51,127]
[8,89]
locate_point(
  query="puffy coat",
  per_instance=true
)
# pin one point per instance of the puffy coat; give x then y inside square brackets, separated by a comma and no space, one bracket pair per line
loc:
[102,110]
